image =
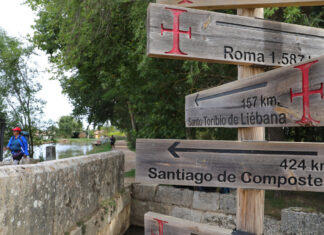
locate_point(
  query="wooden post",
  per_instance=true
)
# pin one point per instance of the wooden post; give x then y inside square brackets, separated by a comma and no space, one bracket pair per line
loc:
[250,202]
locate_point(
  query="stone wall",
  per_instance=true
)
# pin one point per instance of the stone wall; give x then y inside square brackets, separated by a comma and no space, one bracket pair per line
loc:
[211,208]
[215,209]
[54,197]
[113,217]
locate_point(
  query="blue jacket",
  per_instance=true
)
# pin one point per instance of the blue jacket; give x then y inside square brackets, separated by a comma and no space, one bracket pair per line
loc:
[23,143]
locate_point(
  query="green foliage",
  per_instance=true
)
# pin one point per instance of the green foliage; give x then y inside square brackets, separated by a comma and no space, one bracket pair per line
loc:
[68,125]
[130,174]
[103,45]
[109,205]
[276,201]
[310,16]
[18,88]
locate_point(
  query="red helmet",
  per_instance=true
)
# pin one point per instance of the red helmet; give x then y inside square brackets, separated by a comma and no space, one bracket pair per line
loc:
[17,129]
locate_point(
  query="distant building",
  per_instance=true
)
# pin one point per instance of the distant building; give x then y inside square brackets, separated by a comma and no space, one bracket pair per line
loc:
[98,134]
[83,135]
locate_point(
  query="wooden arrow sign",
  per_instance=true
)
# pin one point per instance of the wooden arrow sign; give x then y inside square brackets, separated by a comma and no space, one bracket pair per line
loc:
[166,225]
[183,33]
[259,165]
[231,4]
[291,96]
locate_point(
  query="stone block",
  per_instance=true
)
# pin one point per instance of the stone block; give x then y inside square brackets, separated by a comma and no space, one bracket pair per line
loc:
[219,219]
[295,221]
[144,192]
[206,201]
[271,226]
[187,214]
[176,196]
[140,208]
[227,203]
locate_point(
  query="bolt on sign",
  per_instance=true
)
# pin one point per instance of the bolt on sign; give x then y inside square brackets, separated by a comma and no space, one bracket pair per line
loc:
[290,96]
[183,33]
[157,224]
[258,165]
[228,4]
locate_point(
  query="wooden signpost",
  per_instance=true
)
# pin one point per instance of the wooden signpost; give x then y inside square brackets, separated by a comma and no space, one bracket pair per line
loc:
[158,224]
[228,4]
[258,165]
[290,96]
[182,33]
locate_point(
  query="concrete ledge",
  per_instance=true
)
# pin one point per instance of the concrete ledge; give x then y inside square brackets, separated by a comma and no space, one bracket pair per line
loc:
[52,197]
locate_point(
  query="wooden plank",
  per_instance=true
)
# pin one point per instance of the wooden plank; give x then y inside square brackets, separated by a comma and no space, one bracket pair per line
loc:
[253,165]
[290,96]
[183,33]
[233,4]
[166,225]
[250,202]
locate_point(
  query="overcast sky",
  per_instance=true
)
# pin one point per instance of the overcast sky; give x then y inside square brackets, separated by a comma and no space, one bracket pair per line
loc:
[16,19]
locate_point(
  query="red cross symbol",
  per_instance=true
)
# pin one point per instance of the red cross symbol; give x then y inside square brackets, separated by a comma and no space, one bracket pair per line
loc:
[185,1]
[306,119]
[160,222]
[176,31]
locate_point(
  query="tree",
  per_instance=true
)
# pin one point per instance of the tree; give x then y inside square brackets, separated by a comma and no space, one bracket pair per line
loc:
[19,88]
[104,44]
[68,125]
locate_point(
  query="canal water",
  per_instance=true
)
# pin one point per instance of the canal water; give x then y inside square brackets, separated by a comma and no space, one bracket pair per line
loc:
[63,150]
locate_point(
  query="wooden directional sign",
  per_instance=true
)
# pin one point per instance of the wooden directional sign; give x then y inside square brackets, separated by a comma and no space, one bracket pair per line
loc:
[258,165]
[290,96]
[158,224]
[228,4]
[183,33]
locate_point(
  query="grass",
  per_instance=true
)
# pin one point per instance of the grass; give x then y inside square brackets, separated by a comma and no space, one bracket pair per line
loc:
[130,174]
[277,200]
[100,148]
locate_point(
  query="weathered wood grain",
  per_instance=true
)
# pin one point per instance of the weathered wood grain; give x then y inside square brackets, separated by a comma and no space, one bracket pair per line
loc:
[176,226]
[252,165]
[250,202]
[224,38]
[276,98]
[233,4]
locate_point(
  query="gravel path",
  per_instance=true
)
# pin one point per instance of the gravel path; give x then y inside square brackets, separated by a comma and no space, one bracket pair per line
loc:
[130,156]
